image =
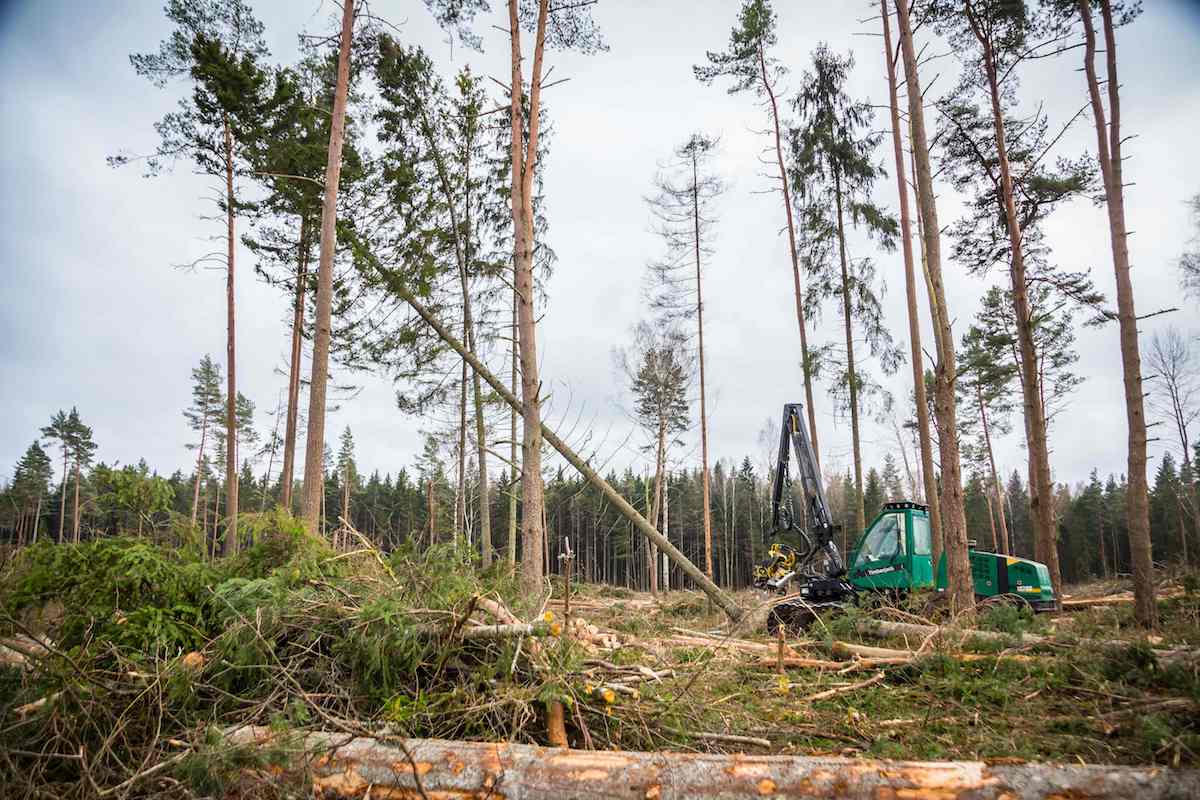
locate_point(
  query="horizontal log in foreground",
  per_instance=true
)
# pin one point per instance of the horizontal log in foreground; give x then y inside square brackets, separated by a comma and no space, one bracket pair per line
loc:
[345,767]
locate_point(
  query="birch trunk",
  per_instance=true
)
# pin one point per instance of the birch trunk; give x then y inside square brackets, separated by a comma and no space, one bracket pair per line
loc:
[314,451]
[960,586]
[1109,153]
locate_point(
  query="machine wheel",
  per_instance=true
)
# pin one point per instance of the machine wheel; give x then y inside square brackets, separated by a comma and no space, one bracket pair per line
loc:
[1010,599]
[796,617]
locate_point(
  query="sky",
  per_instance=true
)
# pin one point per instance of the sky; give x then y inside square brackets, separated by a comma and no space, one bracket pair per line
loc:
[95,313]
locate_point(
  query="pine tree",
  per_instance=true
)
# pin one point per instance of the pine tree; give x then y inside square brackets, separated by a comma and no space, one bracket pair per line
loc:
[217,45]
[83,449]
[30,485]
[347,471]
[59,430]
[682,205]
[832,177]
[751,68]
[203,416]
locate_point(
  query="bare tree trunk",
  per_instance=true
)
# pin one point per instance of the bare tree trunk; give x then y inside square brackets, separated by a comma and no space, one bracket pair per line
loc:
[666,531]
[791,229]
[1035,412]
[431,511]
[75,523]
[959,584]
[231,431]
[659,458]
[992,523]
[37,519]
[987,438]
[288,475]
[910,284]
[314,450]
[524,168]
[460,497]
[62,502]
[705,498]
[199,466]
[512,441]
[1109,153]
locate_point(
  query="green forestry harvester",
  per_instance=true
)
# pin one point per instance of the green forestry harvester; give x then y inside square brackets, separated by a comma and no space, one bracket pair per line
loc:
[893,555]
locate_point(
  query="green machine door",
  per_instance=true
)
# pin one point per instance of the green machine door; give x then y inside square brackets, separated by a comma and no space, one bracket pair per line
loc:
[880,558]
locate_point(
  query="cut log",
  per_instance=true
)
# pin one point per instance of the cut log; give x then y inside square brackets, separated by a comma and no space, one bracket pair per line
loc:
[354,768]
[879,628]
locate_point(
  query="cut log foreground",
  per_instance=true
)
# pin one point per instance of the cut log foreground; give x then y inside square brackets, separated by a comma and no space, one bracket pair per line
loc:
[873,627]
[358,768]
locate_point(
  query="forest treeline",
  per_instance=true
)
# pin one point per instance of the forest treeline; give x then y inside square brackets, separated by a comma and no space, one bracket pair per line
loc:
[400,210]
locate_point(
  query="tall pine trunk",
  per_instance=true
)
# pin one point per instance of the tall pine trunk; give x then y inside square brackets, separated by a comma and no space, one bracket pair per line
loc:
[512,440]
[1035,412]
[314,451]
[705,494]
[288,473]
[1108,144]
[231,433]
[524,168]
[659,458]
[791,230]
[960,586]
[75,521]
[860,522]
[910,286]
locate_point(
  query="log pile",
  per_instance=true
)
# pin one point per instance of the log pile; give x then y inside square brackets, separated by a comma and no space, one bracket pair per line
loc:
[360,767]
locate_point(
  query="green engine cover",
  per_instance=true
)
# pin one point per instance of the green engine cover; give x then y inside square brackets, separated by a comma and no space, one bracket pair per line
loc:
[995,574]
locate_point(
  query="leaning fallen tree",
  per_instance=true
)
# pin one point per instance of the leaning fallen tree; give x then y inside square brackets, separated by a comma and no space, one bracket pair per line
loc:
[342,767]
[720,598]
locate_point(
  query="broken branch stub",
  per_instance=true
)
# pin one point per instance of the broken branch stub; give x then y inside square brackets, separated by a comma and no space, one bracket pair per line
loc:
[727,604]
[355,768]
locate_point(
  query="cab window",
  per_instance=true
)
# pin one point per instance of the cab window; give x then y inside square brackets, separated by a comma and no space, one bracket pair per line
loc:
[883,542]
[922,540]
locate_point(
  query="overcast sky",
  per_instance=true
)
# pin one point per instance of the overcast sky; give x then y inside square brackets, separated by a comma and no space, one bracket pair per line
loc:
[93,314]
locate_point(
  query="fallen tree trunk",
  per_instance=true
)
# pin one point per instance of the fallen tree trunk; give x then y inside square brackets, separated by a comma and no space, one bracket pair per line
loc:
[879,628]
[342,768]
[723,600]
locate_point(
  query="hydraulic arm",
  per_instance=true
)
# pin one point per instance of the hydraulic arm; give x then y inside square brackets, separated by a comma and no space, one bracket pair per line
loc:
[815,533]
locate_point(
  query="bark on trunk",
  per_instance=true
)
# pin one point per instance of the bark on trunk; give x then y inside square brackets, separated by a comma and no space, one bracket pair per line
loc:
[231,434]
[351,768]
[288,475]
[1109,153]
[910,283]
[659,458]
[622,506]
[954,534]
[1035,412]
[926,203]
[860,522]
[460,495]
[791,230]
[705,493]
[512,441]
[314,451]
[524,168]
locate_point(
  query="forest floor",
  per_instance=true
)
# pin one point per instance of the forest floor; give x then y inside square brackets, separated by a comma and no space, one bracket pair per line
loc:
[977,700]
[127,666]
